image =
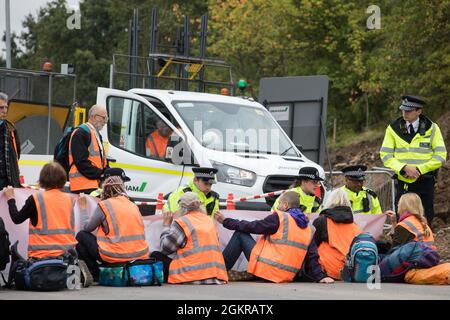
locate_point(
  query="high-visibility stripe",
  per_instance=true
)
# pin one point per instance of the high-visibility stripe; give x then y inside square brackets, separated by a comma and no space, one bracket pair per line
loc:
[122,239]
[413,161]
[193,231]
[198,250]
[433,132]
[358,211]
[284,239]
[277,265]
[440,149]
[51,232]
[198,267]
[438,157]
[290,243]
[123,255]
[386,149]
[414,229]
[43,211]
[75,175]
[387,157]
[413,150]
[50,247]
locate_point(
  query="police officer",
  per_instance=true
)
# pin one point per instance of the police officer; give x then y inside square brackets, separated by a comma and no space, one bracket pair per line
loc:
[414,148]
[305,185]
[363,200]
[201,185]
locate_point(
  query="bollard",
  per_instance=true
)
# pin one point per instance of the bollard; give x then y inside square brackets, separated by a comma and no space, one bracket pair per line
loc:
[159,203]
[230,203]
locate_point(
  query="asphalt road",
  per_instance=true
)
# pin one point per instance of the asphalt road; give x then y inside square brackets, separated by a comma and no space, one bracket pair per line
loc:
[243,291]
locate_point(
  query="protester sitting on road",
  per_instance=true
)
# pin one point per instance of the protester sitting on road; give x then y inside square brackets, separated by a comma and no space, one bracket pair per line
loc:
[308,180]
[120,230]
[335,231]
[412,224]
[50,212]
[284,247]
[193,239]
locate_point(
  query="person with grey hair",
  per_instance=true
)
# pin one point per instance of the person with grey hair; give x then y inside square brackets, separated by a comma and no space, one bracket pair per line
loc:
[9,148]
[192,240]
[87,158]
[335,230]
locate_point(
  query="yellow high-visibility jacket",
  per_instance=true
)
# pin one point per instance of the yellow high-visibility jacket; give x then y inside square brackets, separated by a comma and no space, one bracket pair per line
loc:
[426,150]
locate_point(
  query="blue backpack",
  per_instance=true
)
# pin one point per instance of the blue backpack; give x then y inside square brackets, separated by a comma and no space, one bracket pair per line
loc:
[363,254]
[402,258]
[61,153]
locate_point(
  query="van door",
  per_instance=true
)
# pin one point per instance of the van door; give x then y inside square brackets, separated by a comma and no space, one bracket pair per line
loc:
[138,135]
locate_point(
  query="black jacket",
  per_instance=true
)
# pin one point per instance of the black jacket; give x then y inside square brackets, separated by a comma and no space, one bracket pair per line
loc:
[9,166]
[337,214]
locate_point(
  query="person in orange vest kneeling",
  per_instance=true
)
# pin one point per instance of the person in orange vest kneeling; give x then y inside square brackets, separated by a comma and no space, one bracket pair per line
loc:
[120,230]
[50,214]
[335,230]
[192,239]
[284,247]
[412,225]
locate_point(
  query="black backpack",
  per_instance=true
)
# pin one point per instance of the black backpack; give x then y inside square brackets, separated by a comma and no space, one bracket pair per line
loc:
[61,153]
[4,246]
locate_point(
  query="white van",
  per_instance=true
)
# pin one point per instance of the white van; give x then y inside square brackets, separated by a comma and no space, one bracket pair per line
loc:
[238,136]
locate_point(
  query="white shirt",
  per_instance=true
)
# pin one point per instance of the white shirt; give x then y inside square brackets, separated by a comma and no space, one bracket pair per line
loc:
[415,125]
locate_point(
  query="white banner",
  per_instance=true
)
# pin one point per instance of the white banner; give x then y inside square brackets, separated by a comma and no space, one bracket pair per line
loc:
[153,224]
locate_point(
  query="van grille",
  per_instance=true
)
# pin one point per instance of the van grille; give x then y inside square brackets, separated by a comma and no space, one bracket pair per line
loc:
[275,183]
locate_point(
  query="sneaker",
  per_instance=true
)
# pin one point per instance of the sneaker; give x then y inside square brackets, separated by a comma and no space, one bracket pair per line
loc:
[86,276]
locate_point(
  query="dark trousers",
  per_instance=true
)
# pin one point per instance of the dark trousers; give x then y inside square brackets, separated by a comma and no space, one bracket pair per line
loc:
[87,249]
[424,187]
[239,242]
[165,260]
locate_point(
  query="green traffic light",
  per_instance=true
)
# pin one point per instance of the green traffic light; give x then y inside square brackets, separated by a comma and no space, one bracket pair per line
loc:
[242,84]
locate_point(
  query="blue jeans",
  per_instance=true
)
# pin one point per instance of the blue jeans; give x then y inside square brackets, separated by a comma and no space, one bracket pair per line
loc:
[239,242]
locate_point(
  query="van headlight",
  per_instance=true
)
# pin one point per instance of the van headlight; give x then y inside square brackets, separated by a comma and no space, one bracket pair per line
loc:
[234,175]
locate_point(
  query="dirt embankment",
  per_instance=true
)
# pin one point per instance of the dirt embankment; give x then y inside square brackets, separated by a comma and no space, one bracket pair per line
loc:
[368,153]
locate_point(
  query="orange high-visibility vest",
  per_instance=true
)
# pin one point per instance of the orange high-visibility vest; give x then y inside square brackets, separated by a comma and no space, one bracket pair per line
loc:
[54,233]
[126,238]
[201,257]
[413,225]
[332,253]
[76,179]
[156,145]
[279,257]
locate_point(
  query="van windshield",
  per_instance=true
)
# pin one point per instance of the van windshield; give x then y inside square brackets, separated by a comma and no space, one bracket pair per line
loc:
[234,128]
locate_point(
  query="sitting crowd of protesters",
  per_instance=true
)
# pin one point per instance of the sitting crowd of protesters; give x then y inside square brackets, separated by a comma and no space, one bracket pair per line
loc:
[288,247]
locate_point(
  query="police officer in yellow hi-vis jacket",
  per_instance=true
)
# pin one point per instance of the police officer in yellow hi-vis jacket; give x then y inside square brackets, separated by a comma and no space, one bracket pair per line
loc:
[200,185]
[414,148]
[363,200]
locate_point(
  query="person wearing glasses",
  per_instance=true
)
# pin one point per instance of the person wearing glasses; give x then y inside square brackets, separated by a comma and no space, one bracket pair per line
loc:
[9,148]
[87,158]
[201,185]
